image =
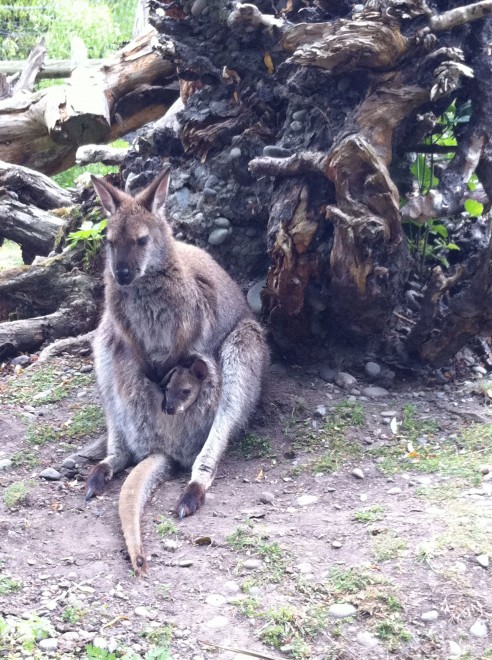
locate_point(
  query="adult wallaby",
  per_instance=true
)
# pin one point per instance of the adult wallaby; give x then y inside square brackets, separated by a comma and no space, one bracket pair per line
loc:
[191,396]
[165,300]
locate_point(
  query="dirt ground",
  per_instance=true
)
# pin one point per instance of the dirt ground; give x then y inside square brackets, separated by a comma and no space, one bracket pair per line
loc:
[289,530]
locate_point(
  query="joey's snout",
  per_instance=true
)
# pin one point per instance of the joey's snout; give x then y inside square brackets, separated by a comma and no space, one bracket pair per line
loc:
[170,408]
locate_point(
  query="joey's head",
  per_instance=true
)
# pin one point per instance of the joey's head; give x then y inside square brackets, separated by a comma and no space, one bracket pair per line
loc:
[182,385]
[138,235]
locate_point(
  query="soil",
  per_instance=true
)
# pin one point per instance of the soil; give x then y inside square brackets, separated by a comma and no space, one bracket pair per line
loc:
[404,540]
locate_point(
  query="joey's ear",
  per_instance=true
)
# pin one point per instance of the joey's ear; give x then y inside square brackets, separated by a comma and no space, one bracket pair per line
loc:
[154,196]
[165,381]
[199,369]
[111,198]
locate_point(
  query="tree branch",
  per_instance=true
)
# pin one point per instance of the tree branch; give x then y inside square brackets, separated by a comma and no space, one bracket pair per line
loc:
[460,15]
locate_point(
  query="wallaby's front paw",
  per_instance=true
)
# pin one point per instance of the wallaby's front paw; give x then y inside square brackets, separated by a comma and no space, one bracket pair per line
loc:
[97,480]
[191,500]
[139,563]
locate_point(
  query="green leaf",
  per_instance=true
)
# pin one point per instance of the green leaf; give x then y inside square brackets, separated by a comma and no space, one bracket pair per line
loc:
[452,246]
[474,208]
[439,229]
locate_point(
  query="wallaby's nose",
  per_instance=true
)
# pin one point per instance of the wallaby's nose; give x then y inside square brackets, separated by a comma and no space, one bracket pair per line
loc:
[123,275]
[170,408]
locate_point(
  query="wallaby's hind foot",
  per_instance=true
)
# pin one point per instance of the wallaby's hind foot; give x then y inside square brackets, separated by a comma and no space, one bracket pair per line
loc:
[99,476]
[191,500]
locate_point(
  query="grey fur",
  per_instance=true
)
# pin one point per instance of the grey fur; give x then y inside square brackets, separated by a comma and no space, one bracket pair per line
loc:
[177,301]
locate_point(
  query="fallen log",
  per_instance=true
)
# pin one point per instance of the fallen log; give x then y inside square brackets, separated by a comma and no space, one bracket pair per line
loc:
[43,130]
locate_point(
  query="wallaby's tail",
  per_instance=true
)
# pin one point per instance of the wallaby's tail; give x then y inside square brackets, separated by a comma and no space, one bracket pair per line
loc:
[134,494]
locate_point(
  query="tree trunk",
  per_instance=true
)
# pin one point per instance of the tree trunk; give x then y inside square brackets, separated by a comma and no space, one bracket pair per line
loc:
[43,130]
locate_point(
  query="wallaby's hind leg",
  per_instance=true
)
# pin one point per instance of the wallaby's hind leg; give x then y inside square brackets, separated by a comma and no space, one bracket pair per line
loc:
[243,361]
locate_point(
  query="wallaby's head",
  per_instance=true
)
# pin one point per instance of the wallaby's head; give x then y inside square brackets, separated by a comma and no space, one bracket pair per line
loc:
[137,233]
[181,386]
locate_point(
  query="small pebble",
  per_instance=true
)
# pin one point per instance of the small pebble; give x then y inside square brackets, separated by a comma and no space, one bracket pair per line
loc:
[222,222]
[86,368]
[231,587]
[143,612]
[364,638]
[388,413]
[485,469]
[430,616]
[483,560]
[50,474]
[336,544]
[5,463]
[394,491]
[185,563]
[69,463]
[357,473]
[250,564]
[479,629]
[266,497]
[320,411]
[344,380]
[49,644]
[216,600]
[218,236]
[341,610]
[375,392]
[217,622]
[372,369]
[235,152]
[454,650]
[305,500]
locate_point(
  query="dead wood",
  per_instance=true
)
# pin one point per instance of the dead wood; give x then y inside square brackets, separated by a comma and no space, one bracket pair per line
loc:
[100,153]
[31,68]
[43,130]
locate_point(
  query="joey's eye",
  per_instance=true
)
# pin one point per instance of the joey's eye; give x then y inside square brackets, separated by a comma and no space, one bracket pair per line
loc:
[186,391]
[143,240]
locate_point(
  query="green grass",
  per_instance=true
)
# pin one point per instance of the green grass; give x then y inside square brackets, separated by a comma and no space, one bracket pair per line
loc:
[165,527]
[19,635]
[15,494]
[276,558]
[370,514]
[387,545]
[331,435]
[86,420]
[8,585]
[73,614]
[393,633]
[23,388]
[67,178]
[291,629]
[10,256]
[250,446]
[25,459]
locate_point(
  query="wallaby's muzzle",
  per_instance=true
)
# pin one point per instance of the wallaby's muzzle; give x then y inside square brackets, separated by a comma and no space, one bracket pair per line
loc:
[123,275]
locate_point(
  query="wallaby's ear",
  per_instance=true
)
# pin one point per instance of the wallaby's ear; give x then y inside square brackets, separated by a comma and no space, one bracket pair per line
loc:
[111,198]
[199,369]
[154,196]
[165,381]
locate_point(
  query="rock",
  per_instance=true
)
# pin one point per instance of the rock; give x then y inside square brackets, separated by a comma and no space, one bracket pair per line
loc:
[170,545]
[326,373]
[222,222]
[216,600]
[253,296]
[50,474]
[5,463]
[336,544]
[272,151]
[479,629]
[299,115]
[48,644]
[368,440]
[251,564]
[372,369]
[320,411]
[143,612]
[388,413]
[306,500]
[20,361]
[364,638]
[100,642]
[374,392]
[218,236]
[69,464]
[430,617]
[345,381]
[341,610]
[483,560]
[217,622]
[357,473]
[305,567]
[480,370]
[235,153]
[454,649]
[231,587]
[86,368]
[394,491]
[296,126]
[209,194]
[70,636]
[485,469]
[185,563]
[266,497]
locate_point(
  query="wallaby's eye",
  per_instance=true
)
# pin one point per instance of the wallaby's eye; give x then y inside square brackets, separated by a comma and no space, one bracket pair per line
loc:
[186,391]
[143,240]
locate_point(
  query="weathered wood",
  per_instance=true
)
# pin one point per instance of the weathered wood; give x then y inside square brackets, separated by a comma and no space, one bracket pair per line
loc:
[32,187]
[31,68]
[100,153]
[43,130]
[49,300]
[51,69]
